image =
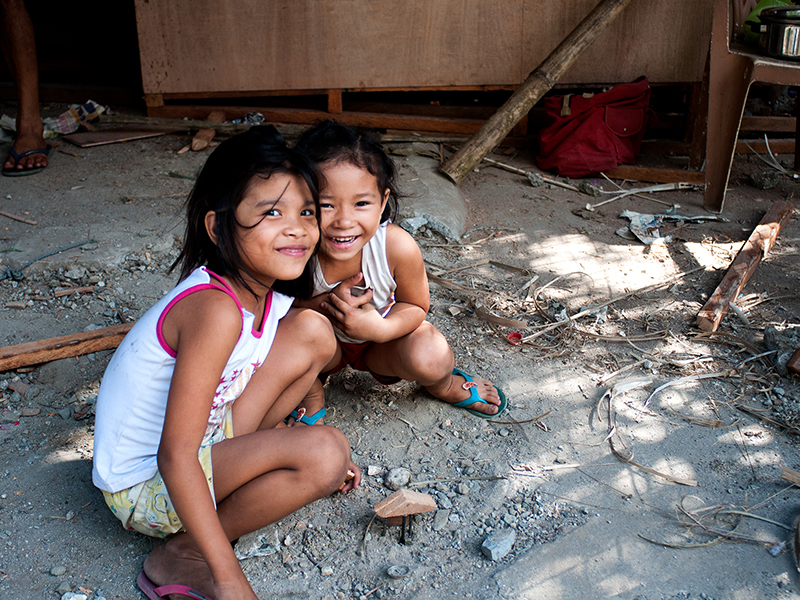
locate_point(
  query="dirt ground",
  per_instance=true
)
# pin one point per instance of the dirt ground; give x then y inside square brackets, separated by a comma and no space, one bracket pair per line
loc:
[703,512]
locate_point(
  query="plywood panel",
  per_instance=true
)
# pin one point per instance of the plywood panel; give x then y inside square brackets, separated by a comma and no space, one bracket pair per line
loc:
[666,40]
[222,45]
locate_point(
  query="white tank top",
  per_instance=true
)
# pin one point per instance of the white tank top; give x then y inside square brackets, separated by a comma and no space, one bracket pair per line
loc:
[377,276]
[132,401]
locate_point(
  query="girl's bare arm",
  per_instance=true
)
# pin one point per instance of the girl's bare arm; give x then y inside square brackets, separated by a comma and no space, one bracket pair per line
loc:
[203,329]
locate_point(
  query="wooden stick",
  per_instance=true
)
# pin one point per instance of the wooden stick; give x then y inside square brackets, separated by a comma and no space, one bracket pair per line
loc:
[204,136]
[744,265]
[16,218]
[65,346]
[539,82]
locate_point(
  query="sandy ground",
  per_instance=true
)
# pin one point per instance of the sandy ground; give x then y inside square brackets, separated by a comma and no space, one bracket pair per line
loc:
[586,524]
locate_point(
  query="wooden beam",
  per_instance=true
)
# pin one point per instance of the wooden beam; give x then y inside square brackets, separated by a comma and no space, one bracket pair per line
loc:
[656,175]
[335,101]
[744,265]
[773,123]
[65,346]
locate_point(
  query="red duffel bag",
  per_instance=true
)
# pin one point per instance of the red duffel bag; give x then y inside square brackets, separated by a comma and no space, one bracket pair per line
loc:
[592,133]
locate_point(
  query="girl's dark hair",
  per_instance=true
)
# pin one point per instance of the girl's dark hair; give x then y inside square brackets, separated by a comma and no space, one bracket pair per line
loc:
[329,141]
[221,187]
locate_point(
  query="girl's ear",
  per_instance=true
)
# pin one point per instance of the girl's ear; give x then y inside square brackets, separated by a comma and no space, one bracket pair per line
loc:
[385,199]
[211,222]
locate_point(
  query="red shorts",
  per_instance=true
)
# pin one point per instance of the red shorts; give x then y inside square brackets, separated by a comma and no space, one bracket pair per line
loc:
[353,355]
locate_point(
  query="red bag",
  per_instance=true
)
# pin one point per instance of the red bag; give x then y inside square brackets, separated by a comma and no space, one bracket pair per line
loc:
[594,132]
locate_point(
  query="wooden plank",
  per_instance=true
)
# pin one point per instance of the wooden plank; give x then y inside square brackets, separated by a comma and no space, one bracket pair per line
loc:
[656,175]
[117,134]
[335,101]
[667,40]
[226,45]
[309,116]
[65,346]
[744,265]
[773,123]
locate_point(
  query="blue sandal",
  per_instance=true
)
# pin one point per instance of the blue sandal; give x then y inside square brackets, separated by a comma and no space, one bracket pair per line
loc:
[470,385]
[299,416]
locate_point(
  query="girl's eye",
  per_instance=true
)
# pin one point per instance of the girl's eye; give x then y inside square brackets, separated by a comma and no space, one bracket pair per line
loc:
[308,212]
[272,212]
[324,205]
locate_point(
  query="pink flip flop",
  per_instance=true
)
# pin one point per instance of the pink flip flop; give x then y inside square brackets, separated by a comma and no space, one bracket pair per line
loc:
[157,593]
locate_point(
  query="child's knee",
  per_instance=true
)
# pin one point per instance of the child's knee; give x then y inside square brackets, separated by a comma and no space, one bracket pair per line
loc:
[429,352]
[329,457]
[317,332]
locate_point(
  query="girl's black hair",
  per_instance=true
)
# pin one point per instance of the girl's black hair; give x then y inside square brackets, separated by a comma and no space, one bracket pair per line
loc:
[221,187]
[329,141]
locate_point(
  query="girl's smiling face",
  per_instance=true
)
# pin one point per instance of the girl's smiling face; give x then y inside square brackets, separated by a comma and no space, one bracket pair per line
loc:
[277,228]
[351,206]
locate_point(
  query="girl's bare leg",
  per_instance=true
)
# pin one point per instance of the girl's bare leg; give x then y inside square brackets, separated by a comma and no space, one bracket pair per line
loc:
[264,474]
[285,470]
[425,356]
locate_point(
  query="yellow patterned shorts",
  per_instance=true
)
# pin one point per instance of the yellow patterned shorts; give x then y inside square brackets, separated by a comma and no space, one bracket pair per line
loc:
[146,507]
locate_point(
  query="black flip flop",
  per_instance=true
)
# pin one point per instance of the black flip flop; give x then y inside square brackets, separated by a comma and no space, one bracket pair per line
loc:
[14,172]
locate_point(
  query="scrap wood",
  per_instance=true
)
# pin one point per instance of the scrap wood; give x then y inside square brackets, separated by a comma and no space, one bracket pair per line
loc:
[17,218]
[405,502]
[76,344]
[656,175]
[203,137]
[792,477]
[744,265]
[101,137]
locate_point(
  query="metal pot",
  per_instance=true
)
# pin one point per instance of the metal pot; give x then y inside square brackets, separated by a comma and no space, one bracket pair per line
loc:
[780,32]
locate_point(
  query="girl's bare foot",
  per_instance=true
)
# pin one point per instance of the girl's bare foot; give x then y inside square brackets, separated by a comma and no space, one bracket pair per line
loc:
[179,562]
[312,404]
[456,389]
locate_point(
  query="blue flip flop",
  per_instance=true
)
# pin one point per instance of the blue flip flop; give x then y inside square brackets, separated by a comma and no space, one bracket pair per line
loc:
[14,172]
[300,416]
[474,397]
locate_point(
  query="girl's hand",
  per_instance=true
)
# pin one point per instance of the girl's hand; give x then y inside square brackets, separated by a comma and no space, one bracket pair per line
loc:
[351,292]
[359,322]
[354,482]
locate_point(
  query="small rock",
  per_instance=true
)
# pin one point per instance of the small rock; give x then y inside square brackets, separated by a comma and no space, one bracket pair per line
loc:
[20,387]
[326,571]
[73,596]
[373,470]
[397,478]
[30,412]
[65,413]
[462,488]
[499,544]
[287,541]
[504,432]
[64,588]
[58,571]
[440,519]
[9,416]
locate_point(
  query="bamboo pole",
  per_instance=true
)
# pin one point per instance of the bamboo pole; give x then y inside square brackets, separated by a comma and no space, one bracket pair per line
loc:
[538,83]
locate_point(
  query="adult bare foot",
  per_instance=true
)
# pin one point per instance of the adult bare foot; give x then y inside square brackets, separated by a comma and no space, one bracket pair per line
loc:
[179,562]
[23,144]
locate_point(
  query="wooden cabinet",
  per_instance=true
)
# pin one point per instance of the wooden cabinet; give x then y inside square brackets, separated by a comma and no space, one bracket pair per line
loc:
[201,47]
